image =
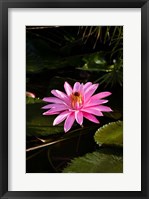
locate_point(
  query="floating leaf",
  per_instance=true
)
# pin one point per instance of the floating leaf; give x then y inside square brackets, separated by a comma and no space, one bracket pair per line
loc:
[94,62]
[40,55]
[110,134]
[116,114]
[30,100]
[37,124]
[96,162]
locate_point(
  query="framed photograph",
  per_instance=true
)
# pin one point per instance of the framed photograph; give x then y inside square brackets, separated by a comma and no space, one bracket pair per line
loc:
[74,99]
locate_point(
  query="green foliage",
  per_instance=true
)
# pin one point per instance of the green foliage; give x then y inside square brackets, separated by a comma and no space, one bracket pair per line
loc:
[30,100]
[37,124]
[110,134]
[113,37]
[116,114]
[55,52]
[94,62]
[42,56]
[96,162]
[111,34]
[113,74]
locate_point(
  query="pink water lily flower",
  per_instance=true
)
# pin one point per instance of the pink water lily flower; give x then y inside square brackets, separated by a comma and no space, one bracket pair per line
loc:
[77,103]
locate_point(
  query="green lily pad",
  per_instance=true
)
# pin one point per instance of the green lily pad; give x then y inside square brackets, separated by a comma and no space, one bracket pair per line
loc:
[37,124]
[110,134]
[96,162]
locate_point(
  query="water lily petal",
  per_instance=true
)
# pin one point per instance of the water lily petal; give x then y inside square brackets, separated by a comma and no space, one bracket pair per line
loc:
[54,106]
[76,103]
[79,117]
[60,95]
[69,121]
[68,88]
[53,99]
[89,92]
[60,118]
[94,102]
[48,106]
[59,107]
[76,87]
[50,113]
[81,89]
[93,110]
[87,85]
[105,108]
[29,94]
[90,117]
[101,95]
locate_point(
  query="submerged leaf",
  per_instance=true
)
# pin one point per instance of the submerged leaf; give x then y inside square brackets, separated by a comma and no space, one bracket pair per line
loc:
[110,134]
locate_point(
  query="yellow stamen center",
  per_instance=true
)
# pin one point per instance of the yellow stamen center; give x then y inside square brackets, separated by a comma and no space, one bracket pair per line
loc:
[76,100]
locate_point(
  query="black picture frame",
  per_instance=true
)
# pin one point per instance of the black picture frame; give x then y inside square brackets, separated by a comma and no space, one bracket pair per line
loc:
[4,6]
